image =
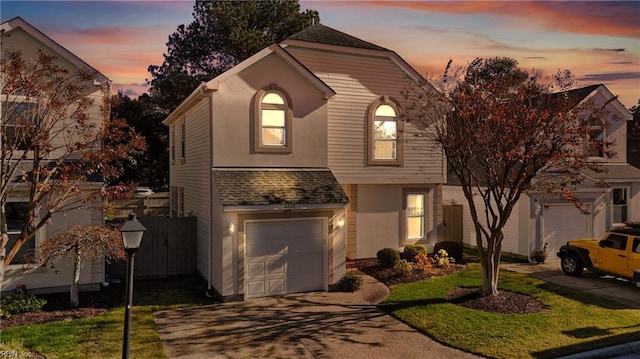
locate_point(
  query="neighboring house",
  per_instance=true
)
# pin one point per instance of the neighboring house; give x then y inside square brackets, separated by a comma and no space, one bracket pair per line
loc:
[17,34]
[609,198]
[296,159]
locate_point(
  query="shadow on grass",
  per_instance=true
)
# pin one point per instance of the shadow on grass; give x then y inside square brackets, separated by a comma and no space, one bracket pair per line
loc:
[586,346]
[391,307]
[582,297]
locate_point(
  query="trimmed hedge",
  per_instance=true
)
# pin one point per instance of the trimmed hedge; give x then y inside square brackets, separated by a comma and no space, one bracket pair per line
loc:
[388,257]
[412,250]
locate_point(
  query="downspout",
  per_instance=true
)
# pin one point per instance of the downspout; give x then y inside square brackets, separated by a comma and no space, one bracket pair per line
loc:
[211,219]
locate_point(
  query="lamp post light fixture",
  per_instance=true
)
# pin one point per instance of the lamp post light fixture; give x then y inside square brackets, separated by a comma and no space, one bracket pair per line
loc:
[131,232]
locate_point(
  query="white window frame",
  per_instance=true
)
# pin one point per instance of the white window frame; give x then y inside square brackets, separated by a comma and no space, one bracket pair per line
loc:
[427,213]
[258,107]
[183,142]
[371,131]
[173,144]
[20,100]
[626,205]
[596,130]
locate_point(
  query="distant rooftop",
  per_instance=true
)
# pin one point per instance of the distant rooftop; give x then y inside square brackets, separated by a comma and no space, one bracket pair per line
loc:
[322,34]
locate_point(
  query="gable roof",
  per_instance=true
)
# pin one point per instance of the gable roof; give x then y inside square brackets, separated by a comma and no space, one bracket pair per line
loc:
[322,34]
[19,23]
[213,84]
[264,187]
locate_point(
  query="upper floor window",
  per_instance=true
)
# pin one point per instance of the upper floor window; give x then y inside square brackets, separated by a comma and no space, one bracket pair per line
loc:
[272,121]
[183,135]
[21,118]
[16,217]
[384,133]
[596,140]
[173,144]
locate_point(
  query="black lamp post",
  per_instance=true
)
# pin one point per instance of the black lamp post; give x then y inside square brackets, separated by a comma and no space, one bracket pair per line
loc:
[131,232]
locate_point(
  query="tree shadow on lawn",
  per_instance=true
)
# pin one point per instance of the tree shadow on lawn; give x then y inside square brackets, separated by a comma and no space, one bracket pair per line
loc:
[585,298]
[586,346]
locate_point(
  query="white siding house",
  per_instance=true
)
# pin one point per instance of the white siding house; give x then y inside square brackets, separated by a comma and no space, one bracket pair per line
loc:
[285,169]
[541,220]
[19,35]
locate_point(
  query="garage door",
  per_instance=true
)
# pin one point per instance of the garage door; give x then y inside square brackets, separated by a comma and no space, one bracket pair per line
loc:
[560,224]
[284,257]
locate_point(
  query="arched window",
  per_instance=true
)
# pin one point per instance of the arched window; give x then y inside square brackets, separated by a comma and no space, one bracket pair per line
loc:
[385,133]
[272,121]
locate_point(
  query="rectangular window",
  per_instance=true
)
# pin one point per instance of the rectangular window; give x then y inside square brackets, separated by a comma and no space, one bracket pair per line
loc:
[16,217]
[174,201]
[21,121]
[415,215]
[173,144]
[180,201]
[384,141]
[620,214]
[596,141]
[273,127]
[183,135]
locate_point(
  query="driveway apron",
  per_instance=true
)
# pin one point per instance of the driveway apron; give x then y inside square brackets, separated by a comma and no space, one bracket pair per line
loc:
[309,325]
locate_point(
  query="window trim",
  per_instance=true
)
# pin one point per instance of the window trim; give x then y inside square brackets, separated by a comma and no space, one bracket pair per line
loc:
[183,142]
[426,224]
[172,154]
[596,128]
[371,160]
[626,192]
[34,238]
[35,121]
[258,147]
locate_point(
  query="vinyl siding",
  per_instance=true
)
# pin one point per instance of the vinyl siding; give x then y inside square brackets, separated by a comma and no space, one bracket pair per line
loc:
[358,81]
[194,175]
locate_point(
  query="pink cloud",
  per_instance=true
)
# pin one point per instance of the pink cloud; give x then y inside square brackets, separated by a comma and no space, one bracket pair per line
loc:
[598,18]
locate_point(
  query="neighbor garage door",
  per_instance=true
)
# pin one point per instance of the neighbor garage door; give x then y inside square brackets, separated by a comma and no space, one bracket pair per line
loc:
[284,257]
[562,223]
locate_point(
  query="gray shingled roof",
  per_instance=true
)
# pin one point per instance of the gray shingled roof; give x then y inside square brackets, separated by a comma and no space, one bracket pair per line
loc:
[264,187]
[325,35]
[623,171]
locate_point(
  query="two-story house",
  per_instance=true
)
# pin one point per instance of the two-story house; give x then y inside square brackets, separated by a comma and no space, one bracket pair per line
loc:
[18,35]
[609,198]
[296,159]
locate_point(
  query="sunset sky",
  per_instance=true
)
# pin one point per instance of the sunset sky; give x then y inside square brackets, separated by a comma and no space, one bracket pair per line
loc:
[598,40]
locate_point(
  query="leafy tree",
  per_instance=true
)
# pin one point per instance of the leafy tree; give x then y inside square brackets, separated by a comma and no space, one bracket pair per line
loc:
[222,34]
[55,149]
[82,244]
[505,133]
[152,168]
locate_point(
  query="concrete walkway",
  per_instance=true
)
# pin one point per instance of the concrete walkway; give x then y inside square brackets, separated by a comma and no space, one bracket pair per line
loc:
[309,325]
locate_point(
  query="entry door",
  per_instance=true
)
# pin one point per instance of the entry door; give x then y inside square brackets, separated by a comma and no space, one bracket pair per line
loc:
[284,257]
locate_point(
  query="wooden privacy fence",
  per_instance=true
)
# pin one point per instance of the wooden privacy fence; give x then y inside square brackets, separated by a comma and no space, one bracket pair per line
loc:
[168,248]
[452,218]
[156,204]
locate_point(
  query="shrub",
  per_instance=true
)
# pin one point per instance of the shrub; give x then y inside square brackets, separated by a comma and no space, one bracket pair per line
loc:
[388,257]
[20,302]
[412,250]
[349,283]
[423,262]
[453,248]
[403,267]
[442,257]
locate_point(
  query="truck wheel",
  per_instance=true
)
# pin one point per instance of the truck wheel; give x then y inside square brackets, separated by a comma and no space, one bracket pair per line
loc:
[571,265]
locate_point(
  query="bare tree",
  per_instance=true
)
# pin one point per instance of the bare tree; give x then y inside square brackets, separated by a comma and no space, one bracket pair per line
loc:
[82,244]
[57,144]
[505,133]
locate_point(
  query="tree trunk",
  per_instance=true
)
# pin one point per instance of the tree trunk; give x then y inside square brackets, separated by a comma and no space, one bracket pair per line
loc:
[490,274]
[74,299]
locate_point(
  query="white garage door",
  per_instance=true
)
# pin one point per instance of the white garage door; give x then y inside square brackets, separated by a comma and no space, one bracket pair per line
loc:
[560,224]
[284,257]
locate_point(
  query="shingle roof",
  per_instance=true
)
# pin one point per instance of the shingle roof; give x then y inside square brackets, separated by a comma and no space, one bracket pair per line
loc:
[322,34]
[278,186]
[622,171]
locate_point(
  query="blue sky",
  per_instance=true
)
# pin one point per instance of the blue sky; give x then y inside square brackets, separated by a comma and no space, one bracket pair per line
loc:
[598,40]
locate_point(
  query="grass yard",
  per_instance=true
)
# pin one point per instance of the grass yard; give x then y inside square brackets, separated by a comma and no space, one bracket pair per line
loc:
[101,336]
[574,321]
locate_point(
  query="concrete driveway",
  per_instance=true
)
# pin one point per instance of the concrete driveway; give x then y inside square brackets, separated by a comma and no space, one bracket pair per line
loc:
[618,290]
[310,325]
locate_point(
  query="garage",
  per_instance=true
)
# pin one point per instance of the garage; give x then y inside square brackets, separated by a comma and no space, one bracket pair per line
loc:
[562,223]
[284,256]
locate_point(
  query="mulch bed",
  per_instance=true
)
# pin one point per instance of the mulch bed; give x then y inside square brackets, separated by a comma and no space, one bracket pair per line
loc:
[505,303]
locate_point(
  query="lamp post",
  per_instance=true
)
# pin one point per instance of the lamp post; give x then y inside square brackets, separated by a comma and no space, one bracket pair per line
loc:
[131,232]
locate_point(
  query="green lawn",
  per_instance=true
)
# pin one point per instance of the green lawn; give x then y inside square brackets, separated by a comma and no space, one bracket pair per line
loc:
[574,321]
[101,336]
